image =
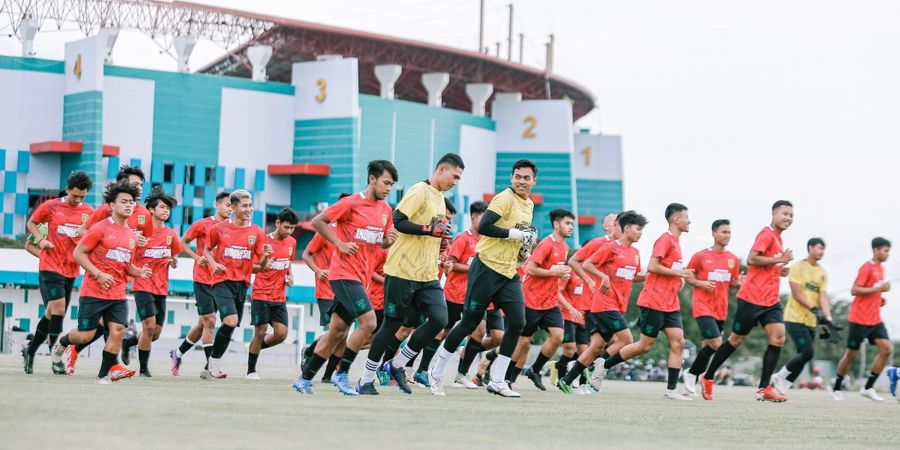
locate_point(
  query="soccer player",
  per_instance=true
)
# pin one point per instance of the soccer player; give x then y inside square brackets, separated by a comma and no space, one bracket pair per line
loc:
[57,268]
[460,256]
[617,265]
[317,257]
[716,271]
[230,250]
[575,305]
[807,308]
[507,238]
[865,320]
[758,303]
[543,273]
[363,227]
[204,279]
[611,228]
[141,222]
[268,297]
[150,294]
[411,285]
[106,254]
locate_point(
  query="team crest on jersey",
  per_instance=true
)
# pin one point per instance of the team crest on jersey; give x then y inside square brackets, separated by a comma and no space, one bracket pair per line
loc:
[142,220]
[168,240]
[84,218]
[131,243]
[290,251]
[731,264]
[384,219]
[251,240]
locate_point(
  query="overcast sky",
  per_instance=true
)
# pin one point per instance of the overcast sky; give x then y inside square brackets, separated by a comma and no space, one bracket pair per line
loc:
[723,106]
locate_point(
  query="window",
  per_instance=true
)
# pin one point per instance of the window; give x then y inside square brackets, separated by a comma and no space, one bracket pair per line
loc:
[168,172]
[188,174]
[210,176]
[188,215]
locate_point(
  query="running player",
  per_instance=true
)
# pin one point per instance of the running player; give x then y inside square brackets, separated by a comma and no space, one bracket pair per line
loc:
[865,320]
[716,271]
[807,308]
[507,238]
[204,279]
[105,253]
[411,285]
[267,304]
[543,273]
[141,222]
[575,305]
[57,268]
[460,256]
[611,228]
[364,223]
[150,294]
[617,265]
[317,257]
[758,303]
[230,250]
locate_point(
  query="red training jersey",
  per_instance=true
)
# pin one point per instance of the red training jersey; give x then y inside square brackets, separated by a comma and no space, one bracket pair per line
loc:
[157,254]
[236,248]
[364,222]
[463,251]
[584,253]
[199,232]
[541,293]
[721,268]
[63,221]
[661,291]
[866,309]
[141,220]
[760,287]
[574,292]
[270,284]
[322,250]
[111,248]
[620,264]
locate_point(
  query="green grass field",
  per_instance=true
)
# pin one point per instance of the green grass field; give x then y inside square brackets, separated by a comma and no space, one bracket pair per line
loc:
[41,410]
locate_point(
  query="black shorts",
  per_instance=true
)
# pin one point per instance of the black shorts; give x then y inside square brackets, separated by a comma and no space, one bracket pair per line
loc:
[577,333]
[230,297]
[265,312]
[350,300]
[55,286]
[858,333]
[379,319]
[485,287]
[493,320]
[802,335]
[748,315]
[149,305]
[401,296]
[654,320]
[454,313]
[206,301]
[324,306]
[92,309]
[542,318]
[710,328]
[608,323]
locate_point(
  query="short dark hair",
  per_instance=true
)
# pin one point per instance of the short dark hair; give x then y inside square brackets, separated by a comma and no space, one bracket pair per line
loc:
[288,215]
[478,207]
[223,194]
[880,242]
[157,196]
[126,171]
[559,214]
[781,203]
[814,242]
[524,164]
[380,166]
[344,194]
[79,180]
[448,204]
[718,223]
[631,218]
[119,187]
[673,209]
[451,159]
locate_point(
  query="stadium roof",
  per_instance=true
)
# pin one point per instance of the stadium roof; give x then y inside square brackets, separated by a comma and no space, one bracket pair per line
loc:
[296,41]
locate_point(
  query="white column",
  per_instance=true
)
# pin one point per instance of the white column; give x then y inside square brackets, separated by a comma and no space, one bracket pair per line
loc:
[259,56]
[508,97]
[109,36]
[479,93]
[27,30]
[387,75]
[184,45]
[435,83]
